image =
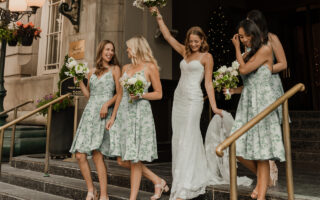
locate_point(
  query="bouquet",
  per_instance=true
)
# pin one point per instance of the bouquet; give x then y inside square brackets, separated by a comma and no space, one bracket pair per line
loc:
[78,70]
[149,3]
[134,85]
[226,77]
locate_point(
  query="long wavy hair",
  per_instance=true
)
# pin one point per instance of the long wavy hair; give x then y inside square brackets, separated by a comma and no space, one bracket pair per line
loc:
[257,17]
[140,50]
[196,30]
[251,29]
[99,60]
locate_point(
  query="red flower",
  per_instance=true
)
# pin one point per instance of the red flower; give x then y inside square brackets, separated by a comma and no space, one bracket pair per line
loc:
[19,23]
[31,24]
[36,33]
[26,26]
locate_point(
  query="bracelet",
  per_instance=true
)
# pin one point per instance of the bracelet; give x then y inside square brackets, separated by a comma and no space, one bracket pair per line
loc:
[159,16]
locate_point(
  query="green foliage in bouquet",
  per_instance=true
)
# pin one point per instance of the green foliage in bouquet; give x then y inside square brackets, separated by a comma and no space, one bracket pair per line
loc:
[227,81]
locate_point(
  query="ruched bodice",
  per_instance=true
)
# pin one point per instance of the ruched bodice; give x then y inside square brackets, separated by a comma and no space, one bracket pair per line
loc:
[189,86]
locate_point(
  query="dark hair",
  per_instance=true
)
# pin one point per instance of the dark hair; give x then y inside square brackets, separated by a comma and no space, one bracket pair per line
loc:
[196,30]
[99,60]
[251,29]
[257,17]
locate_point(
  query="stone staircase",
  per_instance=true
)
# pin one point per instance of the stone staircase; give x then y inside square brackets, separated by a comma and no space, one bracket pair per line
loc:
[305,136]
[23,178]
[65,181]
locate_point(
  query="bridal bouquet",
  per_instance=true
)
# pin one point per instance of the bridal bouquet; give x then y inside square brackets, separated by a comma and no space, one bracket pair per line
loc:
[226,77]
[134,85]
[149,3]
[78,70]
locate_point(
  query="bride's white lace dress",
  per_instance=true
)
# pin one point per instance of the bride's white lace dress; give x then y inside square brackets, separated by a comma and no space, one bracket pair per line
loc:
[189,163]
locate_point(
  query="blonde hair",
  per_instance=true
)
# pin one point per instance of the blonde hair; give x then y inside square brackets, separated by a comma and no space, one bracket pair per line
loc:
[140,50]
[196,30]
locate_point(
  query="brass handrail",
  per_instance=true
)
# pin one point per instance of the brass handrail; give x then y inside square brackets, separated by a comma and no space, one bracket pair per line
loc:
[15,115]
[16,107]
[2,128]
[230,141]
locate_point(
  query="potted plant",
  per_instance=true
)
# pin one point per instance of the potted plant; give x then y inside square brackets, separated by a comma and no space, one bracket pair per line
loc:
[12,37]
[27,32]
[62,120]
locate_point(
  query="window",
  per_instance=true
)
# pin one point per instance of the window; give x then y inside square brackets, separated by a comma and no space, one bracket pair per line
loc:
[50,43]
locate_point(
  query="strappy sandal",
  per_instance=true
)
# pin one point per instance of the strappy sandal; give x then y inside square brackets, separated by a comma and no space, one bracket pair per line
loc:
[164,188]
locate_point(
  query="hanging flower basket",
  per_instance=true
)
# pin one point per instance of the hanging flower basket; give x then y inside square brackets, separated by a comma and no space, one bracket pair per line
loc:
[27,40]
[13,42]
[27,32]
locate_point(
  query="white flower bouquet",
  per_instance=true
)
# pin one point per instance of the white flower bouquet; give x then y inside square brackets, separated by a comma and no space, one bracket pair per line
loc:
[78,70]
[226,77]
[134,85]
[149,3]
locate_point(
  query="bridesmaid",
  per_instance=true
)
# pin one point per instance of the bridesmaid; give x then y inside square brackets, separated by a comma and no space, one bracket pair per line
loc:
[263,142]
[279,64]
[131,126]
[92,138]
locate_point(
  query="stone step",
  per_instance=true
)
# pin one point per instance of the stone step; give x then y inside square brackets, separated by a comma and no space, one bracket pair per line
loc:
[222,192]
[308,134]
[304,114]
[13,192]
[117,176]
[306,157]
[303,145]
[67,187]
[305,123]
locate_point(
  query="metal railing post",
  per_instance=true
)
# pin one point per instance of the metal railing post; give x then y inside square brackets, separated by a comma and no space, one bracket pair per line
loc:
[287,145]
[13,135]
[1,147]
[75,124]
[46,165]
[233,172]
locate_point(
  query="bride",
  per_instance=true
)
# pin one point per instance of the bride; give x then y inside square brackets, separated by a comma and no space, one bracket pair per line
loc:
[189,165]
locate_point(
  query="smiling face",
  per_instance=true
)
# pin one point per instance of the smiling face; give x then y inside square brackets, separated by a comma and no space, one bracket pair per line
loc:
[195,42]
[245,39]
[108,52]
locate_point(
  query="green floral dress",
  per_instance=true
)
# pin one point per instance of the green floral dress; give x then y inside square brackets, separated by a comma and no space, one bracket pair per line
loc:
[133,134]
[91,133]
[264,140]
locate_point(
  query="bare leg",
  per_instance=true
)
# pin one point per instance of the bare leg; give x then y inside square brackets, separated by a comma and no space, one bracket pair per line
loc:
[146,172]
[135,179]
[102,172]
[85,170]
[250,164]
[263,178]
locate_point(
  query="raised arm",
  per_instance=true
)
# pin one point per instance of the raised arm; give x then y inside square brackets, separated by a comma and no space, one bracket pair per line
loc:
[208,68]
[278,51]
[262,56]
[167,35]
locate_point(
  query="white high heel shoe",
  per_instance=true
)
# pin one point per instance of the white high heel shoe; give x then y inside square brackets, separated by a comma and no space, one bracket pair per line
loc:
[164,188]
[92,195]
